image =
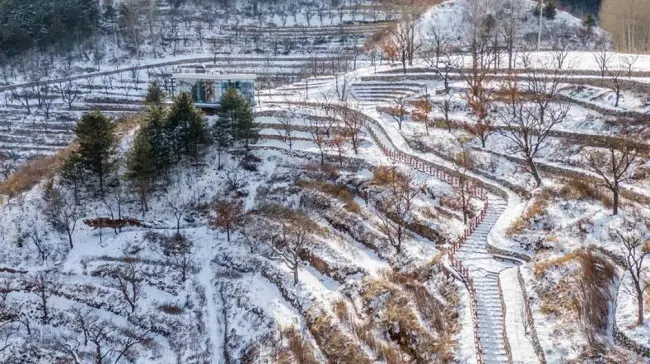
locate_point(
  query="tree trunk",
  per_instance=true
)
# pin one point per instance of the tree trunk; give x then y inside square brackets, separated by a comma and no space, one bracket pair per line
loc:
[639,320]
[295,275]
[615,201]
[70,238]
[533,171]
[228,235]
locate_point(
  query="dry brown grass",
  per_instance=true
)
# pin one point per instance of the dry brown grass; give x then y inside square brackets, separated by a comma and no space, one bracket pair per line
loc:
[540,268]
[335,345]
[301,350]
[397,317]
[339,192]
[34,172]
[384,175]
[536,208]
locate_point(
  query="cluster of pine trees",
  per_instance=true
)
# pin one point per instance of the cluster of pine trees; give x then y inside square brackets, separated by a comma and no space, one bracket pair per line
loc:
[168,135]
[45,23]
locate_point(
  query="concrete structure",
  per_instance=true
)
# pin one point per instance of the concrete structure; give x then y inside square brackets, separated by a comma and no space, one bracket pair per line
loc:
[207,89]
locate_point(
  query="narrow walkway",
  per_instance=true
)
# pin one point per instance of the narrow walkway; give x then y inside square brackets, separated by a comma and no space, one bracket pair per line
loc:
[484,270]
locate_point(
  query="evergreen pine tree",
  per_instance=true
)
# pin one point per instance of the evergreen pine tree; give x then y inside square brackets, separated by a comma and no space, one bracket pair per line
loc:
[186,127]
[154,124]
[155,94]
[141,166]
[97,141]
[247,130]
[589,21]
[238,114]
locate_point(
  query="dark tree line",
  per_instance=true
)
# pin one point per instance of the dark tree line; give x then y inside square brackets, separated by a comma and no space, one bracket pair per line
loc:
[45,24]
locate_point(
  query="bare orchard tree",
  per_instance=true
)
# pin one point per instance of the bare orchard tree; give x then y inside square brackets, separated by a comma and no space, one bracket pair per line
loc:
[613,166]
[437,47]
[560,58]
[628,62]
[128,280]
[48,100]
[352,125]
[179,206]
[289,244]
[543,83]
[404,31]
[397,110]
[337,142]
[69,93]
[285,127]
[635,249]
[602,58]
[615,77]
[318,134]
[40,241]
[508,27]
[526,127]
[480,104]
[61,213]
[23,96]
[463,164]
[44,284]
[179,250]
[396,204]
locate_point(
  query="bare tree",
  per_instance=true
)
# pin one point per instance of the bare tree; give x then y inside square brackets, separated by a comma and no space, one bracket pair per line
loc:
[235,178]
[613,166]
[560,57]
[635,249]
[44,284]
[23,97]
[35,234]
[69,93]
[437,47]
[179,207]
[60,213]
[179,250]
[128,280]
[396,205]
[48,100]
[444,107]
[319,137]
[480,103]
[289,244]
[602,58]
[463,163]
[629,61]
[527,126]
[397,110]
[227,215]
[615,83]
[352,125]
[508,29]
[285,128]
[337,142]
[404,31]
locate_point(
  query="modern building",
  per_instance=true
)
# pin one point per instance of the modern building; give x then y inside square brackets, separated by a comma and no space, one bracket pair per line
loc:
[206,89]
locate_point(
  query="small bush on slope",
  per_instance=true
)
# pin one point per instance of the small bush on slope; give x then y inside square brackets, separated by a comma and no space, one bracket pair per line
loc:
[577,289]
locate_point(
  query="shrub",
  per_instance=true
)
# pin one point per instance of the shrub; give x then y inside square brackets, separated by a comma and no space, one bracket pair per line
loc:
[535,208]
[341,193]
[301,349]
[335,345]
[170,309]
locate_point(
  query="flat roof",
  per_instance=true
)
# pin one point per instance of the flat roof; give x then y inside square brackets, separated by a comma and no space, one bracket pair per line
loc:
[208,76]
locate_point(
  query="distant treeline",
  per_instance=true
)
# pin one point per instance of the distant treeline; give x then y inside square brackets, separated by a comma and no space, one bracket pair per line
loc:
[26,24]
[581,7]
